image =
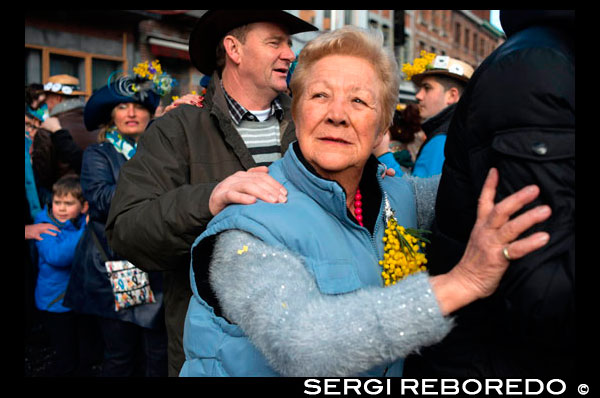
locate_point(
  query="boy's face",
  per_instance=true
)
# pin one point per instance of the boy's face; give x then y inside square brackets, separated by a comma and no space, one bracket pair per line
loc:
[66,207]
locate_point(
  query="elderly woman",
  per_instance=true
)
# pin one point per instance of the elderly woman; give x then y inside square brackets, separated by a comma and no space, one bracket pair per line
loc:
[121,111]
[303,288]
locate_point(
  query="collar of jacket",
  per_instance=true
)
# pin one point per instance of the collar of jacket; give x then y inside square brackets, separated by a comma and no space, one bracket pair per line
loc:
[439,123]
[239,113]
[216,104]
[215,98]
[329,193]
[73,223]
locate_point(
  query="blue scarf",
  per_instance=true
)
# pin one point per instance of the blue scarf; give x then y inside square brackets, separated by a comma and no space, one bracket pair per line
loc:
[122,145]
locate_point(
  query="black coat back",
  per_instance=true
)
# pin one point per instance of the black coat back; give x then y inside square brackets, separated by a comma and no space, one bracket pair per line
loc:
[518,115]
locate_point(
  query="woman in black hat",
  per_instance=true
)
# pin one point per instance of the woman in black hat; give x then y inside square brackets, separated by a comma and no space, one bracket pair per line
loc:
[121,110]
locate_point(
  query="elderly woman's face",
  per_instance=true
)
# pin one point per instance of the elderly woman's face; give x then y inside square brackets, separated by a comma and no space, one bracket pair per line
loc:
[338,114]
[131,118]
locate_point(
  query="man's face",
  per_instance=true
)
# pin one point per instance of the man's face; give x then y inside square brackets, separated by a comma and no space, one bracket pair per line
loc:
[266,57]
[432,97]
[52,100]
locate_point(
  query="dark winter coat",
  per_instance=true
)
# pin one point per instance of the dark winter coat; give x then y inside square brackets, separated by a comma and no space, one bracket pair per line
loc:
[70,115]
[430,158]
[161,202]
[53,156]
[89,289]
[518,115]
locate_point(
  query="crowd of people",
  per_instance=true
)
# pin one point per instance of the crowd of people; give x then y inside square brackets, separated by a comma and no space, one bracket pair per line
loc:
[233,232]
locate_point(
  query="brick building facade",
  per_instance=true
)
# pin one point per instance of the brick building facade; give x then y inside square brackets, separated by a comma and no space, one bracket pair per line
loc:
[464,34]
[92,44]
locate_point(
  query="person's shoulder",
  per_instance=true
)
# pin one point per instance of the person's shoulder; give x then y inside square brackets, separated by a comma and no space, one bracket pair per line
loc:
[181,120]
[42,216]
[97,148]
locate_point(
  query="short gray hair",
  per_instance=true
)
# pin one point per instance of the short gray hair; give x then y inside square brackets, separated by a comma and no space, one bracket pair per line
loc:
[355,41]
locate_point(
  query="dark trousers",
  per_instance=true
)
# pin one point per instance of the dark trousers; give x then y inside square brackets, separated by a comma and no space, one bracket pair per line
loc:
[131,350]
[77,341]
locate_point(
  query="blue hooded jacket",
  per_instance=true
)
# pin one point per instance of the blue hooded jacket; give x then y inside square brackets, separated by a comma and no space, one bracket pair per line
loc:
[55,257]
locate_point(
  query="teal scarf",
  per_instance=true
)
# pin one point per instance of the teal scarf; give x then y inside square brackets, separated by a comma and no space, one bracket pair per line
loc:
[122,145]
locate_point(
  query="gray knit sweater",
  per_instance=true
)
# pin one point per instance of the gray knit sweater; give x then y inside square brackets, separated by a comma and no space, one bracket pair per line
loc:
[272,296]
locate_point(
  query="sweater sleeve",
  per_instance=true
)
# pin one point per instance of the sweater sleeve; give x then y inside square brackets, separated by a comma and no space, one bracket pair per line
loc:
[302,332]
[425,191]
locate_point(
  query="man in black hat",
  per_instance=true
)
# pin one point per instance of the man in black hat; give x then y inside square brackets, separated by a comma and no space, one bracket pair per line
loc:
[193,161]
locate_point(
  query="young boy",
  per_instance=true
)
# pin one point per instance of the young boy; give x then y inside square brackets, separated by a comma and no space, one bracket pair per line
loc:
[56,254]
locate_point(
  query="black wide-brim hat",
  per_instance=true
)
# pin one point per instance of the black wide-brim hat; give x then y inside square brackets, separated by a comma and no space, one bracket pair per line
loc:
[215,24]
[98,109]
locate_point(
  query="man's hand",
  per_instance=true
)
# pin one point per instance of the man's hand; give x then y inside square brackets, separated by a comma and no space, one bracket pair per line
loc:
[34,231]
[244,187]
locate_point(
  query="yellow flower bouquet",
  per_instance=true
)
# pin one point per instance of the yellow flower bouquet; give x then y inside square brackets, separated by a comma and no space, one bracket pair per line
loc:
[403,247]
[419,65]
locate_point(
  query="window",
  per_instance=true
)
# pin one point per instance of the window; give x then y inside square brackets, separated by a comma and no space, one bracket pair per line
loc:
[444,26]
[64,64]
[33,66]
[467,32]
[347,17]
[386,35]
[92,70]
[457,33]
[326,19]
[101,71]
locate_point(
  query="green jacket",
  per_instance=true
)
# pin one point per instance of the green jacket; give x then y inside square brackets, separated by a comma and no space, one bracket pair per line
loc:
[161,202]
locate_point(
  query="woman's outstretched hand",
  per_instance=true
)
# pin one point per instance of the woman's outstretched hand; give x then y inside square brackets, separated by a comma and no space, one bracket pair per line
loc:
[491,246]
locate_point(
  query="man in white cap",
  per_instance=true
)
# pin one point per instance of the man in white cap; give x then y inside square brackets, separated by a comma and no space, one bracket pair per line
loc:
[440,86]
[62,137]
[195,160]
[65,103]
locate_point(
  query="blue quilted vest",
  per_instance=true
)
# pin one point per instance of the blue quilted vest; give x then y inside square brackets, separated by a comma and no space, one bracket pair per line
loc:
[341,255]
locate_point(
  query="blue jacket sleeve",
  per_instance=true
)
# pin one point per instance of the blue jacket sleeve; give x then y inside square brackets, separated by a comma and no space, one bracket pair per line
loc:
[59,250]
[431,159]
[391,163]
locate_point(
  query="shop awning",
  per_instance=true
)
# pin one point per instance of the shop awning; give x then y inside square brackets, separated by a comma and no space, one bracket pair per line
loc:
[168,48]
